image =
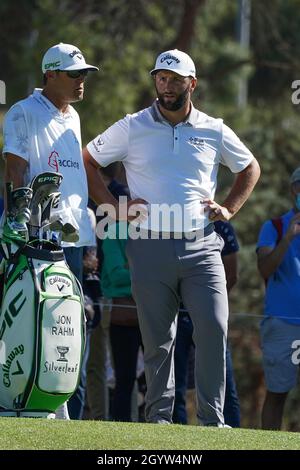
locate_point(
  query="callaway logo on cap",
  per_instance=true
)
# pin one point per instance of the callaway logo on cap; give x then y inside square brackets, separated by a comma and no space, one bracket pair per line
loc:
[175,61]
[65,57]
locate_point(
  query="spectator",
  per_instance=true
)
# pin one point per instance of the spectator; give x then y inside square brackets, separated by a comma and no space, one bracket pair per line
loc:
[97,390]
[278,255]
[125,337]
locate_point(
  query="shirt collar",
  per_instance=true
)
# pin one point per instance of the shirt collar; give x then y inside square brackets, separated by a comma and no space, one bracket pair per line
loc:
[192,119]
[156,114]
[51,108]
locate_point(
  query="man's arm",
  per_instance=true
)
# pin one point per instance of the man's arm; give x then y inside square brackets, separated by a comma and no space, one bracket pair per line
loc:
[269,259]
[15,168]
[239,193]
[98,190]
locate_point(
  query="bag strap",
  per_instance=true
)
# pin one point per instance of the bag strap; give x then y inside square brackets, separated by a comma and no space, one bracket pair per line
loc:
[43,254]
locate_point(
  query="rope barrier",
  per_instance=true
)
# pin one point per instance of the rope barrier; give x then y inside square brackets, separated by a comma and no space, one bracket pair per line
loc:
[238,314]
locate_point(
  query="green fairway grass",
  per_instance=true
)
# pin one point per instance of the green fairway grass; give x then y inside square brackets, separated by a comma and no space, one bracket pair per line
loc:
[26,433]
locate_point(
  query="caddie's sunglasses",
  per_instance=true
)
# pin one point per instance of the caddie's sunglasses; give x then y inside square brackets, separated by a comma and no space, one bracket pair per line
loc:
[75,73]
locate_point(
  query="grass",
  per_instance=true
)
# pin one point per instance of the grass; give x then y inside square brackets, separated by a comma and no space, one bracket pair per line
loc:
[42,434]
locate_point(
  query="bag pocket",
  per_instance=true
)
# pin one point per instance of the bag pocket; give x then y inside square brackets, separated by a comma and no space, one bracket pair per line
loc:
[61,345]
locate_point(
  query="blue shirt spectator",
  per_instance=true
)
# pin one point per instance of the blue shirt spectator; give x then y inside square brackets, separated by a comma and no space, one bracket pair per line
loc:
[278,256]
[282,298]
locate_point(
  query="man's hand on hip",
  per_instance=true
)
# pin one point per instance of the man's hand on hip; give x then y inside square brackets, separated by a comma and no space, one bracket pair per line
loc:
[215,211]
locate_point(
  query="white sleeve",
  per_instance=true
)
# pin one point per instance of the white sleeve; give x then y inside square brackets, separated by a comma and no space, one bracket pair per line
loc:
[112,145]
[234,153]
[15,133]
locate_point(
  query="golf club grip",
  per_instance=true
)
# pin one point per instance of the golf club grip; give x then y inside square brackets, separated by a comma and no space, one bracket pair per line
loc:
[9,188]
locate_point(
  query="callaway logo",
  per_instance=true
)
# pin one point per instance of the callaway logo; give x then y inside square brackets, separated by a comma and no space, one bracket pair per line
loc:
[52,160]
[55,279]
[7,365]
[76,53]
[169,58]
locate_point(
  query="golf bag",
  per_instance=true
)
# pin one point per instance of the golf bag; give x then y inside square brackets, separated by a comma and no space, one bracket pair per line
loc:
[42,325]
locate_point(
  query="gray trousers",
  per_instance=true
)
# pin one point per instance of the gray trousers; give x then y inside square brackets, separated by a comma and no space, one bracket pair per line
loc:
[162,271]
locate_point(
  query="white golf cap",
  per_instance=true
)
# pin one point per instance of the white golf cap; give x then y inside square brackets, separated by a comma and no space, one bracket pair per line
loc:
[175,61]
[65,57]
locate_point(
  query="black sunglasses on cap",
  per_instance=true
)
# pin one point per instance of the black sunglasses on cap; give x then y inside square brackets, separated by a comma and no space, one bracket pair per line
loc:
[75,73]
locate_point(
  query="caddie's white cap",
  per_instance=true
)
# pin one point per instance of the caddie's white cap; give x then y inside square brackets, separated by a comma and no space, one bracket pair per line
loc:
[175,61]
[65,57]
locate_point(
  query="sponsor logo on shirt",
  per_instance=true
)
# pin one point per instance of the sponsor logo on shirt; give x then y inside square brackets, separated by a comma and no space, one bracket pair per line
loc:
[196,142]
[98,143]
[55,162]
[68,164]
[52,160]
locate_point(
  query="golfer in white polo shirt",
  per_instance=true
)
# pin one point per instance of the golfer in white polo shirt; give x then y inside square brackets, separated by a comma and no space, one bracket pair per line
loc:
[171,153]
[42,133]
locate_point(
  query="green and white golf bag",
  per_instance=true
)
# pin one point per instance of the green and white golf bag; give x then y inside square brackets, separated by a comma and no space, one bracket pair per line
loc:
[42,325]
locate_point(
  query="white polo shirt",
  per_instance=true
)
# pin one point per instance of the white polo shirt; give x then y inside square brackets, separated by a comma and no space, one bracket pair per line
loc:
[34,129]
[170,165]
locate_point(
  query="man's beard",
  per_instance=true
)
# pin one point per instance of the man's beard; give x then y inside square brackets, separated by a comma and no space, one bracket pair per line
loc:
[179,103]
